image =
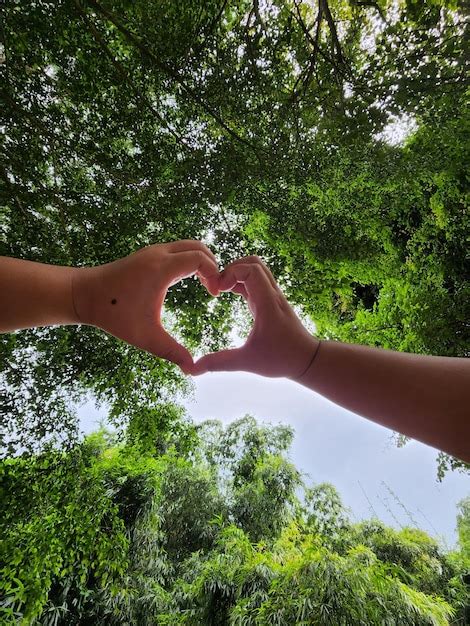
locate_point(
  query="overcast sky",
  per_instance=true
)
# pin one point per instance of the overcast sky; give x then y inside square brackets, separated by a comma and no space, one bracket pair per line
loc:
[337,446]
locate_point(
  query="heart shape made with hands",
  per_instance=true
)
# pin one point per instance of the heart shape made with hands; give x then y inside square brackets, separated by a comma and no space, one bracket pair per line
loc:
[125,298]
[278,344]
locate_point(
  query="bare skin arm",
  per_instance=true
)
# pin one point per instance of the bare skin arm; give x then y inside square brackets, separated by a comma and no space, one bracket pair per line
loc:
[34,294]
[424,397]
[123,298]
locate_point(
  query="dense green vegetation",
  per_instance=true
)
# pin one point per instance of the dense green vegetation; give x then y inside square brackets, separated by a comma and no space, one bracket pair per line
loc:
[206,525]
[260,127]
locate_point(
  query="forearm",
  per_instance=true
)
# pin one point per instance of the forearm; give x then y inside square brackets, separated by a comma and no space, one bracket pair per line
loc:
[35,294]
[424,397]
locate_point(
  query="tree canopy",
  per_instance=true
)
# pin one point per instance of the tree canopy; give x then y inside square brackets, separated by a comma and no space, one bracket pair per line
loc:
[208,525]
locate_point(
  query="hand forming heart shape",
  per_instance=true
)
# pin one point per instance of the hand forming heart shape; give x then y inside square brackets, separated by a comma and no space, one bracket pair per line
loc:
[125,298]
[278,344]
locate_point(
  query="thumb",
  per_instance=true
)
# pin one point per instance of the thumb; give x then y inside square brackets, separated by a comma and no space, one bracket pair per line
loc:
[223,361]
[166,347]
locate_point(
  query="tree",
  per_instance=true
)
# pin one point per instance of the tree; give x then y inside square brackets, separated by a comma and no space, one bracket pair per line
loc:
[463,528]
[266,128]
[112,533]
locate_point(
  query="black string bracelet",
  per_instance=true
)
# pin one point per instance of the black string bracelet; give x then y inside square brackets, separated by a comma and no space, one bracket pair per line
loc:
[311,361]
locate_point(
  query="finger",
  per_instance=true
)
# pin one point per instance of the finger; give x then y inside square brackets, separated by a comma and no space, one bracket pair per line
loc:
[184,264]
[252,277]
[184,245]
[211,284]
[256,259]
[166,347]
[240,288]
[223,361]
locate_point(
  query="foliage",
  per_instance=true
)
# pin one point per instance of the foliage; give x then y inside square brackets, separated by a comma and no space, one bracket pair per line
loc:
[62,534]
[463,528]
[118,534]
[300,582]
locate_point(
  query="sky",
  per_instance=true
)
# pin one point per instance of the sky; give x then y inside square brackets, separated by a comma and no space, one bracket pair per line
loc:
[334,445]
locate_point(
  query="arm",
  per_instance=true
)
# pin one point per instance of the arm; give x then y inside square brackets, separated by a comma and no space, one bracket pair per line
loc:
[34,294]
[425,397]
[123,298]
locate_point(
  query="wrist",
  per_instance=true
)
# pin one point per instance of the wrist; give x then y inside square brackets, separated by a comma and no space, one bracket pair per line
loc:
[84,291]
[316,343]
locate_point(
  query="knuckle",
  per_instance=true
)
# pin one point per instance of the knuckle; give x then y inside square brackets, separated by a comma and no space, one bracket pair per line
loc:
[168,355]
[254,259]
[199,245]
[280,301]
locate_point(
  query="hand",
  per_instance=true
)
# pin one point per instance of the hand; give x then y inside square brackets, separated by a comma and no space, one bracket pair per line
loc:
[278,345]
[125,297]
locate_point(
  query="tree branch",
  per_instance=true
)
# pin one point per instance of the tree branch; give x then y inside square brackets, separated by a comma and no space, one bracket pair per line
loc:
[210,28]
[10,185]
[171,72]
[121,72]
[305,76]
[313,59]
[33,120]
[333,31]
[60,204]
[306,31]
